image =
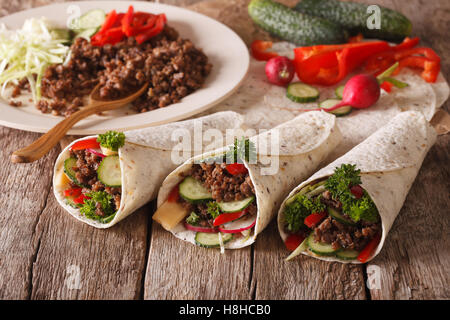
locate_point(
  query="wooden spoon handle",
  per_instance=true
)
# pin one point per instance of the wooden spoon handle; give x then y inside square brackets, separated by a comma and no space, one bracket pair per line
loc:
[46,142]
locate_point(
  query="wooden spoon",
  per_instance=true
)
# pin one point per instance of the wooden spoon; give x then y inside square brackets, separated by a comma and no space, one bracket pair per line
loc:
[46,142]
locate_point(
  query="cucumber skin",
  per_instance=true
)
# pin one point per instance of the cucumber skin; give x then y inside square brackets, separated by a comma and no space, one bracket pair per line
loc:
[293,26]
[209,246]
[353,16]
[70,175]
[99,174]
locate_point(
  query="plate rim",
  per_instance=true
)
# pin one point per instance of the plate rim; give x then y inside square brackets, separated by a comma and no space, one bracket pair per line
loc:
[166,119]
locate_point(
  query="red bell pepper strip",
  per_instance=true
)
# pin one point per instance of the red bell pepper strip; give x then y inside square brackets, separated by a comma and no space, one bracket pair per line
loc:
[91,143]
[227,217]
[174,195]
[143,24]
[430,68]
[127,22]
[80,199]
[153,31]
[369,249]
[407,43]
[72,192]
[329,64]
[313,219]
[258,50]
[110,20]
[386,86]
[293,241]
[357,191]
[236,168]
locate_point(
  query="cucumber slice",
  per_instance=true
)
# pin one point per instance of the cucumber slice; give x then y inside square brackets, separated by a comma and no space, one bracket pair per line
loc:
[109,172]
[87,33]
[300,92]
[193,191]
[91,19]
[235,206]
[339,217]
[339,92]
[69,163]
[323,249]
[339,112]
[211,240]
[347,254]
[302,247]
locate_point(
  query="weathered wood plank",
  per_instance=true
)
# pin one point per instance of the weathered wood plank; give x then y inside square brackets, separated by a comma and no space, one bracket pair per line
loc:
[302,278]
[77,261]
[180,270]
[24,189]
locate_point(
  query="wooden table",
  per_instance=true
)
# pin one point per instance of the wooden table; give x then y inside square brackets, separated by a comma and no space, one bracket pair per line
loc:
[46,254]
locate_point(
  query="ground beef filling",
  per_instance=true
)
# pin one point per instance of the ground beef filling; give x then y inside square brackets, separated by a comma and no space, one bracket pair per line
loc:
[86,174]
[173,67]
[341,235]
[223,187]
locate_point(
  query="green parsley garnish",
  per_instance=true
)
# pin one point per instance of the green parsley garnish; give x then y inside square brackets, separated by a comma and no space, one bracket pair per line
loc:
[213,209]
[339,185]
[112,140]
[301,206]
[106,202]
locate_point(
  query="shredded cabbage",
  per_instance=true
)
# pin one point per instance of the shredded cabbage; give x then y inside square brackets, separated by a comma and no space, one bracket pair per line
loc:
[27,52]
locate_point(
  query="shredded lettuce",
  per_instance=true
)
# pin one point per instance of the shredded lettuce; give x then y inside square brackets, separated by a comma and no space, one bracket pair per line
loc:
[299,208]
[27,52]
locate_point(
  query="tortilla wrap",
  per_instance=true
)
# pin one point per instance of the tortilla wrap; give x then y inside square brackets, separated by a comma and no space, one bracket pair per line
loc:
[389,161]
[304,142]
[145,160]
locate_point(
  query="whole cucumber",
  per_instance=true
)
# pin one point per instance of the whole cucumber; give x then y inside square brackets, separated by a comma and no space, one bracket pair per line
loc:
[353,16]
[290,25]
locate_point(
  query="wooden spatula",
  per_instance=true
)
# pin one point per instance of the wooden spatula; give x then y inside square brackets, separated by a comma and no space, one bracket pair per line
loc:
[46,142]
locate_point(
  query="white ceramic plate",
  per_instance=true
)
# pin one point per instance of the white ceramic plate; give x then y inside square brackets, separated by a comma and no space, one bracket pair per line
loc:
[225,50]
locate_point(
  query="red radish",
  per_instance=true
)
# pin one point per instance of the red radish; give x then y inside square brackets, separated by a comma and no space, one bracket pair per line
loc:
[280,70]
[199,229]
[360,92]
[238,225]
[95,152]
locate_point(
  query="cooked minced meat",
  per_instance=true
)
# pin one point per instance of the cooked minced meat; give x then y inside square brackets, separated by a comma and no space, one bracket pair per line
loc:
[86,174]
[173,67]
[341,235]
[223,185]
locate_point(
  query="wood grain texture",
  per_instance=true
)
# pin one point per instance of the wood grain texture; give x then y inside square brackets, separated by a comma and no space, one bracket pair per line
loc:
[303,277]
[24,190]
[181,270]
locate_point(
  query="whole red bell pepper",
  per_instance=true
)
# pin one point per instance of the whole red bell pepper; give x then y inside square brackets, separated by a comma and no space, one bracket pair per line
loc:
[369,249]
[91,143]
[313,219]
[258,49]
[293,241]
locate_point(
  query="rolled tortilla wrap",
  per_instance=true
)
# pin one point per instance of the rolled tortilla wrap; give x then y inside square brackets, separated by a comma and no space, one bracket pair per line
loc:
[146,159]
[389,161]
[304,142]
